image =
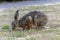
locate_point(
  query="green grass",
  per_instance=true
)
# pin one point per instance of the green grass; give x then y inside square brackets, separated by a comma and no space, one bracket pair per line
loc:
[6,26]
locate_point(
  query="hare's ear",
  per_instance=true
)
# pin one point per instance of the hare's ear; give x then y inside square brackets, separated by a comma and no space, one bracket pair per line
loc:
[16,15]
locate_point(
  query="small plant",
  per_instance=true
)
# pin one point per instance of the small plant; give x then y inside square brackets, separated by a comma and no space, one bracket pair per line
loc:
[5,27]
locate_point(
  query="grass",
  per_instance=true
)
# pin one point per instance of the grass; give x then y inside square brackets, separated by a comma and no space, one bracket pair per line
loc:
[56,38]
[6,26]
[18,34]
[31,38]
[44,34]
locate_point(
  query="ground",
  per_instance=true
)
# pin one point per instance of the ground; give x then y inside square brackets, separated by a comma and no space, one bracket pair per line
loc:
[52,12]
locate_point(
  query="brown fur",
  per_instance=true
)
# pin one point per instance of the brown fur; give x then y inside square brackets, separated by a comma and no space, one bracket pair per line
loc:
[14,25]
[35,18]
[27,23]
[15,22]
[16,16]
[40,20]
